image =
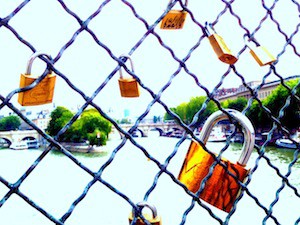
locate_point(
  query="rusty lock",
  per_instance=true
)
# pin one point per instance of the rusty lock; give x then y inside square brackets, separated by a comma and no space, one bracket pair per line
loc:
[174,19]
[221,189]
[260,53]
[219,46]
[129,87]
[43,92]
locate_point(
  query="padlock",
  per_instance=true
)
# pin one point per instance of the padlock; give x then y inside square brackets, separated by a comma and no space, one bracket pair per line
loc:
[261,55]
[129,87]
[221,188]
[219,46]
[43,92]
[174,19]
[153,219]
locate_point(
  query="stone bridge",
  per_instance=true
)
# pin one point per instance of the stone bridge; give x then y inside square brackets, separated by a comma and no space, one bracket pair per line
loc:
[19,135]
[144,128]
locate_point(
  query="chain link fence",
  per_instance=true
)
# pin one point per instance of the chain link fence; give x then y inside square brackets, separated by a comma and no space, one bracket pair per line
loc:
[165,58]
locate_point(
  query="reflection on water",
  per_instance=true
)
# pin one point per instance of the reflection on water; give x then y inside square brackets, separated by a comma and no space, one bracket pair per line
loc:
[284,155]
[57,182]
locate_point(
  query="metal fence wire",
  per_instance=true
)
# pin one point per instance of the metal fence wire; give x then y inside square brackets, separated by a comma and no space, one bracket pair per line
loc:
[270,23]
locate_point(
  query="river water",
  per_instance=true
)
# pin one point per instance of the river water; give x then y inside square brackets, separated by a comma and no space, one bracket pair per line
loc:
[57,182]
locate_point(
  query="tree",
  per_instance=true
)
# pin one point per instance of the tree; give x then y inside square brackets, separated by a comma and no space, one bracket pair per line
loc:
[90,126]
[92,120]
[276,101]
[10,123]
[237,104]
[194,105]
[187,111]
[59,118]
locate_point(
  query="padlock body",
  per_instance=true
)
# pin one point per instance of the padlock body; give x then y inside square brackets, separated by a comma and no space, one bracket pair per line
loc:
[221,189]
[262,56]
[129,87]
[42,93]
[221,49]
[173,20]
[139,221]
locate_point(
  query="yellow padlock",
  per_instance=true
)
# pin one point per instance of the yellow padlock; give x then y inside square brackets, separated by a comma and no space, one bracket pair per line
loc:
[153,219]
[221,189]
[261,55]
[129,87]
[174,19]
[219,46]
[43,92]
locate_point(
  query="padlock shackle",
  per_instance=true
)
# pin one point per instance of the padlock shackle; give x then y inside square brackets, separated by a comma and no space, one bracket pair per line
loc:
[143,204]
[131,64]
[32,58]
[186,2]
[209,29]
[250,40]
[247,129]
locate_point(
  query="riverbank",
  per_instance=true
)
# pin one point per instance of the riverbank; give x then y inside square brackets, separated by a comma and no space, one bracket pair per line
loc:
[83,148]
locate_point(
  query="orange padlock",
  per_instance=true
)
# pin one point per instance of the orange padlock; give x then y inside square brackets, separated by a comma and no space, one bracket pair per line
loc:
[129,86]
[174,19]
[153,219]
[221,189]
[261,54]
[219,46]
[43,92]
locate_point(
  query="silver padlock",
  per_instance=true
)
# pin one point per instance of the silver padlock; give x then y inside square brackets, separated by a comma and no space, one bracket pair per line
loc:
[153,220]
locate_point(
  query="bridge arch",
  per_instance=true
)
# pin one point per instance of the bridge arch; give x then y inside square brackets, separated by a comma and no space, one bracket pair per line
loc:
[160,130]
[19,135]
[4,140]
[137,130]
[28,138]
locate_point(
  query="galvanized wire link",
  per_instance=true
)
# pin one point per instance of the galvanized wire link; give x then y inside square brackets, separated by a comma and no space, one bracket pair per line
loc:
[183,66]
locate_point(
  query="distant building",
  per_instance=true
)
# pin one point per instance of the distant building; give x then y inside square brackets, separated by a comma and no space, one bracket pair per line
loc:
[233,93]
[40,119]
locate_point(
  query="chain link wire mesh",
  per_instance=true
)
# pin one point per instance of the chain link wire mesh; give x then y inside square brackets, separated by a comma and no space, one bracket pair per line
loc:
[230,19]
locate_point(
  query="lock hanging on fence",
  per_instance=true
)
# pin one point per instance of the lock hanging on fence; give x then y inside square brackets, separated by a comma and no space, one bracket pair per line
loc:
[129,87]
[153,220]
[219,46]
[174,19]
[261,55]
[43,92]
[221,189]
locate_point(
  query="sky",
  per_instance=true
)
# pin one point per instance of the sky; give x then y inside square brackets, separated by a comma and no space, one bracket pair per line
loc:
[48,28]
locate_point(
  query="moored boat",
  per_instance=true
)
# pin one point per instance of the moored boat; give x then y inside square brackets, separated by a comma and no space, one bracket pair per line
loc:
[33,144]
[217,136]
[285,143]
[19,145]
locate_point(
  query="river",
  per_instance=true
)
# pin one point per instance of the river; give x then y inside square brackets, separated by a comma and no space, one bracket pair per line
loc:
[57,182]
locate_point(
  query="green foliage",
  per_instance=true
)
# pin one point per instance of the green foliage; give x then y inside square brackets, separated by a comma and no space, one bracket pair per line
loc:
[125,121]
[187,111]
[85,128]
[258,116]
[94,140]
[275,101]
[59,118]
[238,104]
[10,123]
